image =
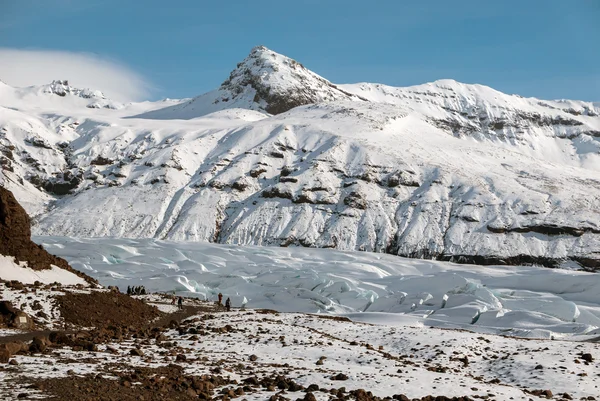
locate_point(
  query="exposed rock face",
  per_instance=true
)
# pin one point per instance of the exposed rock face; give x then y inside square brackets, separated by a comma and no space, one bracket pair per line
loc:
[15,238]
[61,87]
[280,83]
[484,113]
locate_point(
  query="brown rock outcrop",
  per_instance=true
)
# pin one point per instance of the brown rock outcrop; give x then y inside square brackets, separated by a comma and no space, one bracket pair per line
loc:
[15,238]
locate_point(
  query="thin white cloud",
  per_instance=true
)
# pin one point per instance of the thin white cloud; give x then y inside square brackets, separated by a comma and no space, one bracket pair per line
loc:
[19,68]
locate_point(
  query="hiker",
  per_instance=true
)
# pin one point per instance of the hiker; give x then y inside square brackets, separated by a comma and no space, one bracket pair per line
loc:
[228,304]
[173,300]
[143,291]
[128,290]
[180,302]
[220,299]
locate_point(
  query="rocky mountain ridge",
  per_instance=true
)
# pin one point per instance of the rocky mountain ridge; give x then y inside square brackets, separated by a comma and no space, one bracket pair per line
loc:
[441,170]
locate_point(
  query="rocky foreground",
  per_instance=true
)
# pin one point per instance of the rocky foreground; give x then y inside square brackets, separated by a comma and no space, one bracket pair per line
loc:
[88,344]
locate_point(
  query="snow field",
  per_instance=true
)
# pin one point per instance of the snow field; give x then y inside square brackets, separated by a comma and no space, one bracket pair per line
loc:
[10,270]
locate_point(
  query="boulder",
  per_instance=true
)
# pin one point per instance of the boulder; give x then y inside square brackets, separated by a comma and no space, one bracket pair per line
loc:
[15,318]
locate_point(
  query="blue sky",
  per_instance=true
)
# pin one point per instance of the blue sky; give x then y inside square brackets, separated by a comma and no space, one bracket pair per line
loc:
[542,48]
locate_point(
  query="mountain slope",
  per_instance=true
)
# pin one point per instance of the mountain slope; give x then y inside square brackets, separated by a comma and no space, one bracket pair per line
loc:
[442,170]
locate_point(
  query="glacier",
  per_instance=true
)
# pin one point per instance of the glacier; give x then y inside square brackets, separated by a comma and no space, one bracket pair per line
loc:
[523,301]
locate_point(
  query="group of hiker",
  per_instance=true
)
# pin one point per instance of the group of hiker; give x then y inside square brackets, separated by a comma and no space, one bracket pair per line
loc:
[227,303]
[139,290]
[179,302]
[220,302]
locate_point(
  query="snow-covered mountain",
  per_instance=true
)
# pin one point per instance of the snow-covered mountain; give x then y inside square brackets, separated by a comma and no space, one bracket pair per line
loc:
[265,81]
[280,156]
[46,94]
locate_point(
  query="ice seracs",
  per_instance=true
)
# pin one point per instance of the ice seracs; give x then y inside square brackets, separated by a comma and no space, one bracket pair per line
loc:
[523,301]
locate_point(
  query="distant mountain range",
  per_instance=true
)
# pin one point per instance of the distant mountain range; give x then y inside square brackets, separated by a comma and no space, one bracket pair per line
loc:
[278,155]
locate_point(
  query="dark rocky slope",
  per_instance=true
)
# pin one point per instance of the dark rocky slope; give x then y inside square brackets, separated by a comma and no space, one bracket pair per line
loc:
[15,238]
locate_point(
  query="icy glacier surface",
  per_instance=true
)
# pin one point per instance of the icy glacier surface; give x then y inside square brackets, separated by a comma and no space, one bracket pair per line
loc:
[514,300]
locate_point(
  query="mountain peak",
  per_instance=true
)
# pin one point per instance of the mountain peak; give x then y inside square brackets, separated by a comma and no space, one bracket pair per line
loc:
[93,99]
[264,81]
[278,83]
[62,88]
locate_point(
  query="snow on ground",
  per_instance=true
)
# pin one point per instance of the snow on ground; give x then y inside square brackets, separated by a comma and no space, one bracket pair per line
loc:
[37,303]
[376,288]
[26,275]
[385,360]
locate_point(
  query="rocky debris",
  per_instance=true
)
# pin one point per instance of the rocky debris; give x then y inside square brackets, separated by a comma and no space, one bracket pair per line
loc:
[541,393]
[4,355]
[38,345]
[339,376]
[164,383]
[406,178]
[254,173]
[100,309]
[8,350]
[14,318]
[136,352]
[189,343]
[38,142]
[15,238]
[546,229]
[281,191]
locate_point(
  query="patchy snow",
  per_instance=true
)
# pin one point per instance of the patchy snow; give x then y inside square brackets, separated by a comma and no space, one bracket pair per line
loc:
[375,288]
[411,360]
[38,303]
[10,270]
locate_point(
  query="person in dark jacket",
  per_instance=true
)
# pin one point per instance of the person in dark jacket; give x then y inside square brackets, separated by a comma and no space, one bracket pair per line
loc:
[228,304]
[180,302]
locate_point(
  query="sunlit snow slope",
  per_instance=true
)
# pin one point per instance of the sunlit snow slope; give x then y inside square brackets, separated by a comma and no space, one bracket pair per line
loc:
[521,301]
[280,156]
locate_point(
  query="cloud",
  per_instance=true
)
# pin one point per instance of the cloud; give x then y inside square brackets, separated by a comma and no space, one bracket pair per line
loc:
[19,67]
